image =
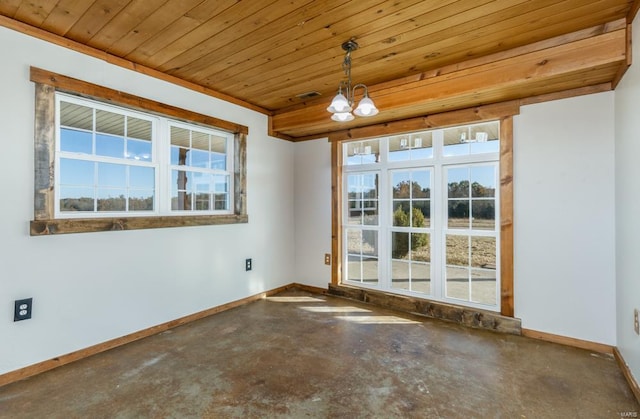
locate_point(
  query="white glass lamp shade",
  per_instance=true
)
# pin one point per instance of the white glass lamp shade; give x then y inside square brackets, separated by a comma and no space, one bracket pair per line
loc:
[339,104]
[342,116]
[366,107]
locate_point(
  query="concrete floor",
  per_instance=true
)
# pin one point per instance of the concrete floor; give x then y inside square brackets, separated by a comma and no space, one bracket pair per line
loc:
[300,355]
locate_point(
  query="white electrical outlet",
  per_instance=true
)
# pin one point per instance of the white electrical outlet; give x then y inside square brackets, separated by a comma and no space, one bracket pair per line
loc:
[636,321]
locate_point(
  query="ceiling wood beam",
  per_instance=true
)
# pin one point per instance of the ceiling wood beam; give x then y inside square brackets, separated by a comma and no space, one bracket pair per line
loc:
[504,79]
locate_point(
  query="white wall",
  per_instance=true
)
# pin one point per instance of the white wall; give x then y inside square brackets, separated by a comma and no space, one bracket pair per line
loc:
[627,126]
[313,211]
[564,210]
[92,287]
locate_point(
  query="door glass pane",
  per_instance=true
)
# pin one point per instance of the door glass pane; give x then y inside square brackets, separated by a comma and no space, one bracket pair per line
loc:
[421,277]
[483,252]
[400,275]
[483,214]
[484,286]
[458,214]
[420,247]
[457,250]
[457,283]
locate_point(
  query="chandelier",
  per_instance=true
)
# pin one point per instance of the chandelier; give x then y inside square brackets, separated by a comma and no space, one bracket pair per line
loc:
[341,105]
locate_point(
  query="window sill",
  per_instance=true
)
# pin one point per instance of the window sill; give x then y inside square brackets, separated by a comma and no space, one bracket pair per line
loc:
[87,225]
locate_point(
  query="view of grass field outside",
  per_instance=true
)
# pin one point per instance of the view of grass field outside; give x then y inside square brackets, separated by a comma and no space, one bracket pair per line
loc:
[468,230]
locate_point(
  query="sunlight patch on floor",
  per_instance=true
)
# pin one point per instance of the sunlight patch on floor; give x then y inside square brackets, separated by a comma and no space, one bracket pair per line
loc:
[377,320]
[298,299]
[329,309]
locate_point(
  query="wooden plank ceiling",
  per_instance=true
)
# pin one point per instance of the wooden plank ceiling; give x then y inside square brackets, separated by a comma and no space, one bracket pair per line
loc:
[418,57]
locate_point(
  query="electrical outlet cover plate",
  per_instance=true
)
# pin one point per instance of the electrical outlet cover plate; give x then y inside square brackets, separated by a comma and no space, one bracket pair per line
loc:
[248,264]
[22,309]
[636,321]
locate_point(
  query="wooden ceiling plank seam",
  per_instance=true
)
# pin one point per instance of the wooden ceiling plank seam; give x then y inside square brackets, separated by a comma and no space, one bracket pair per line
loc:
[64,15]
[325,40]
[362,69]
[95,18]
[512,72]
[9,7]
[181,52]
[328,61]
[156,23]
[179,34]
[375,70]
[475,62]
[124,22]
[34,13]
[241,35]
[266,42]
[121,62]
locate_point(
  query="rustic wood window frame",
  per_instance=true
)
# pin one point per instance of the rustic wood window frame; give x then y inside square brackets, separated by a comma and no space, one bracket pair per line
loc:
[45,223]
[503,112]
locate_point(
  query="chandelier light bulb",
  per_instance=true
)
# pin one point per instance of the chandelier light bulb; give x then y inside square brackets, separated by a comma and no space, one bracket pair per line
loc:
[339,104]
[342,116]
[366,107]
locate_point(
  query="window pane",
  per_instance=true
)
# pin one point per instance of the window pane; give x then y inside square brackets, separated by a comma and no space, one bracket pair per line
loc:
[370,270]
[199,158]
[458,214]
[139,128]
[411,146]
[76,141]
[399,245]
[421,184]
[76,199]
[483,286]
[76,172]
[483,252]
[111,200]
[180,137]
[400,275]
[354,241]
[179,156]
[421,214]
[370,242]
[141,177]
[76,116]
[457,283]
[421,277]
[362,152]
[483,182]
[140,200]
[199,141]
[401,185]
[109,146]
[218,161]
[113,175]
[457,250]
[138,150]
[109,122]
[483,214]
[401,213]
[354,268]
[458,179]
[420,247]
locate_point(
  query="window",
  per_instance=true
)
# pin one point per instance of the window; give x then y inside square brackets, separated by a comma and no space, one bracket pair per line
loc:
[419,214]
[101,166]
